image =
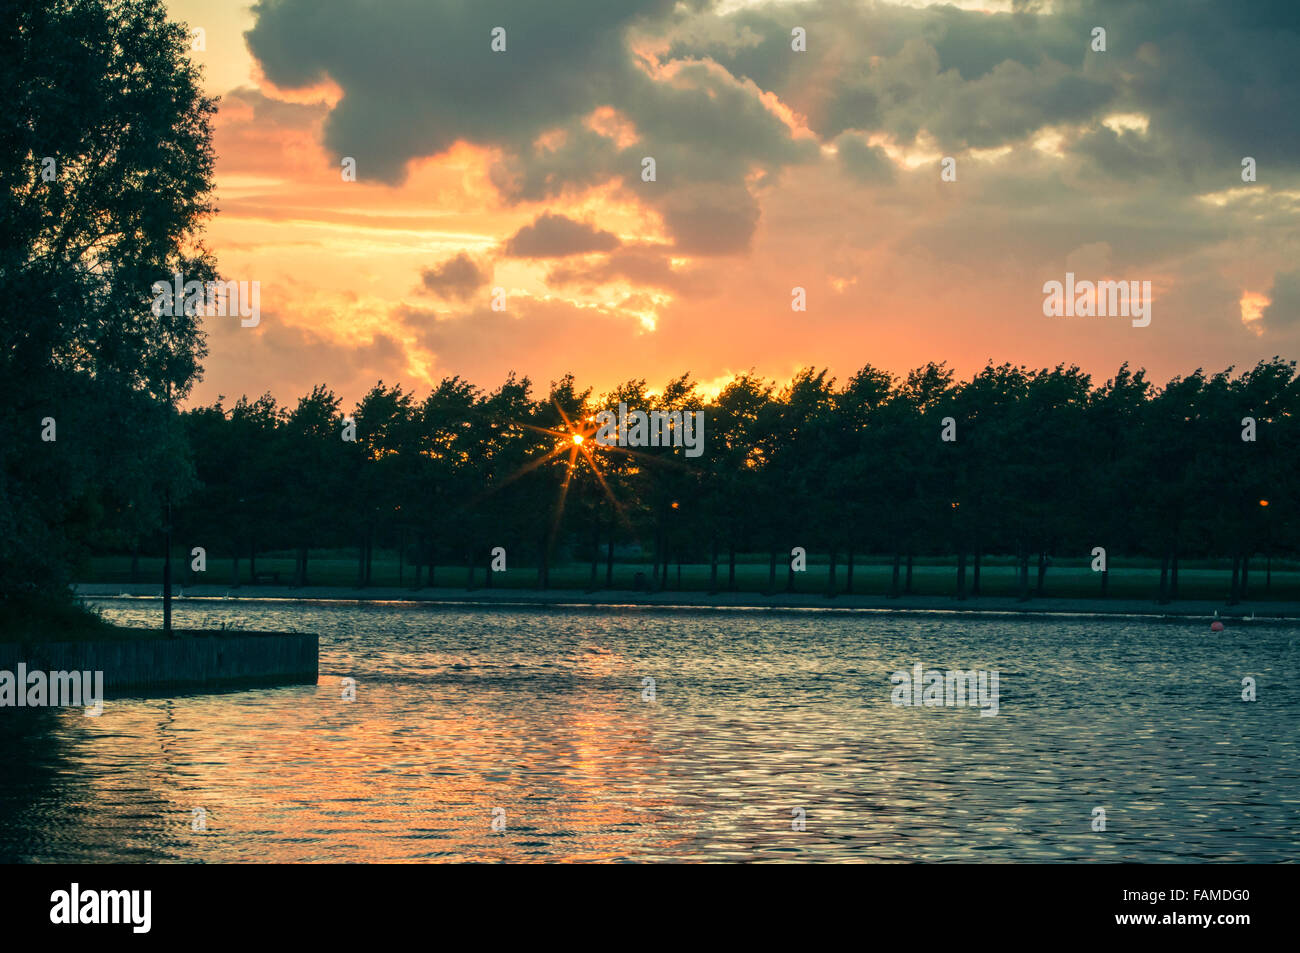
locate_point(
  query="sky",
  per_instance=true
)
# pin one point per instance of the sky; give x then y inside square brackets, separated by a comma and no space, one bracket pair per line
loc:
[775,168]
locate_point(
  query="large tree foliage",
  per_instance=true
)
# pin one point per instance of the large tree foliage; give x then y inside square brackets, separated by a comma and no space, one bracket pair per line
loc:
[106,177]
[1044,465]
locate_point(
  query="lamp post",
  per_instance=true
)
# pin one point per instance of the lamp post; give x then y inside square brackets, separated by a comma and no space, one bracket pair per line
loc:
[167,570]
[675,506]
[961,551]
[167,535]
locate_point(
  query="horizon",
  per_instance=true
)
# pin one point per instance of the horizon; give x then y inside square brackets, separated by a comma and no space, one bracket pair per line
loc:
[539,389]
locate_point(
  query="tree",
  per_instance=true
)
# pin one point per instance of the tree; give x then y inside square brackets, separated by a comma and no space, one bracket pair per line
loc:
[313,478]
[103,89]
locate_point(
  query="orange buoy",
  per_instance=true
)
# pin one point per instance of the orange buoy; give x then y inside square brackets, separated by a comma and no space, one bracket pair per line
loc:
[1216,626]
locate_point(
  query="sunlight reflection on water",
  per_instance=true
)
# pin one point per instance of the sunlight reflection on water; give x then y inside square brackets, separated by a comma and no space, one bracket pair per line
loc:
[539,712]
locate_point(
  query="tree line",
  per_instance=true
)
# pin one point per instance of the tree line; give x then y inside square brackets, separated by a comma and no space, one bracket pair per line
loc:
[1034,464]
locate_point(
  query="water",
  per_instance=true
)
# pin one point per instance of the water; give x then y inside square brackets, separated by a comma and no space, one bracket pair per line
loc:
[538,715]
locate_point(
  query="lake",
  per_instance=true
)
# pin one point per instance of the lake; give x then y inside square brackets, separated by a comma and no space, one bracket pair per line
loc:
[532,734]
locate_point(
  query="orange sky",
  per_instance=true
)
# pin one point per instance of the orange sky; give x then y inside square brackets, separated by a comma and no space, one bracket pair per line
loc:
[899,267]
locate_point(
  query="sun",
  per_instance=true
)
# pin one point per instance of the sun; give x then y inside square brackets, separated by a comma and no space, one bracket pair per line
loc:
[571,442]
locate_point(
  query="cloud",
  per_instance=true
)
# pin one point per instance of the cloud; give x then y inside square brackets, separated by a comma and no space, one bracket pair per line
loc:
[711,220]
[439,80]
[457,277]
[863,162]
[555,236]
[1283,311]
[441,83]
[255,133]
[290,359]
[640,265]
[543,339]
[1213,76]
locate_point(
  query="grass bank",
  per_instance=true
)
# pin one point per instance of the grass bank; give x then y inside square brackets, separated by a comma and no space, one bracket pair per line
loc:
[1207,581]
[33,620]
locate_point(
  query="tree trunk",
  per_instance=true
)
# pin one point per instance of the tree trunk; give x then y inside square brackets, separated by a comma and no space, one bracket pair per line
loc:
[832,573]
[848,573]
[771,575]
[167,573]
[609,559]
[1164,579]
[252,563]
[975,574]
[595,556]
[1173,575]
[907,586]
[543,569]
[961,574]
[1245,576]
[731,568]
[469,558]
[713,567]
[893,586]
[1042,571]
[1022,570]
[1234,592]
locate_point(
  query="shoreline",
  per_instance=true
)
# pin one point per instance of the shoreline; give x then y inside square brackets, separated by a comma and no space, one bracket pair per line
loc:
[1274,612]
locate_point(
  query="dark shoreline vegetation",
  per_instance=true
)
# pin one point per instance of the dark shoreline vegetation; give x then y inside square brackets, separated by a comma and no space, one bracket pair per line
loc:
[1189,488]
[37,621]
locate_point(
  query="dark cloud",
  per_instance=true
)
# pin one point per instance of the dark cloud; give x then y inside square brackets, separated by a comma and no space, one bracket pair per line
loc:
[419,76]
[1283,311]
[457,277]
[969,78]
[1121,155]
[1214,76]
[863,162]
[642,265]
[556,236]
[710,220]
